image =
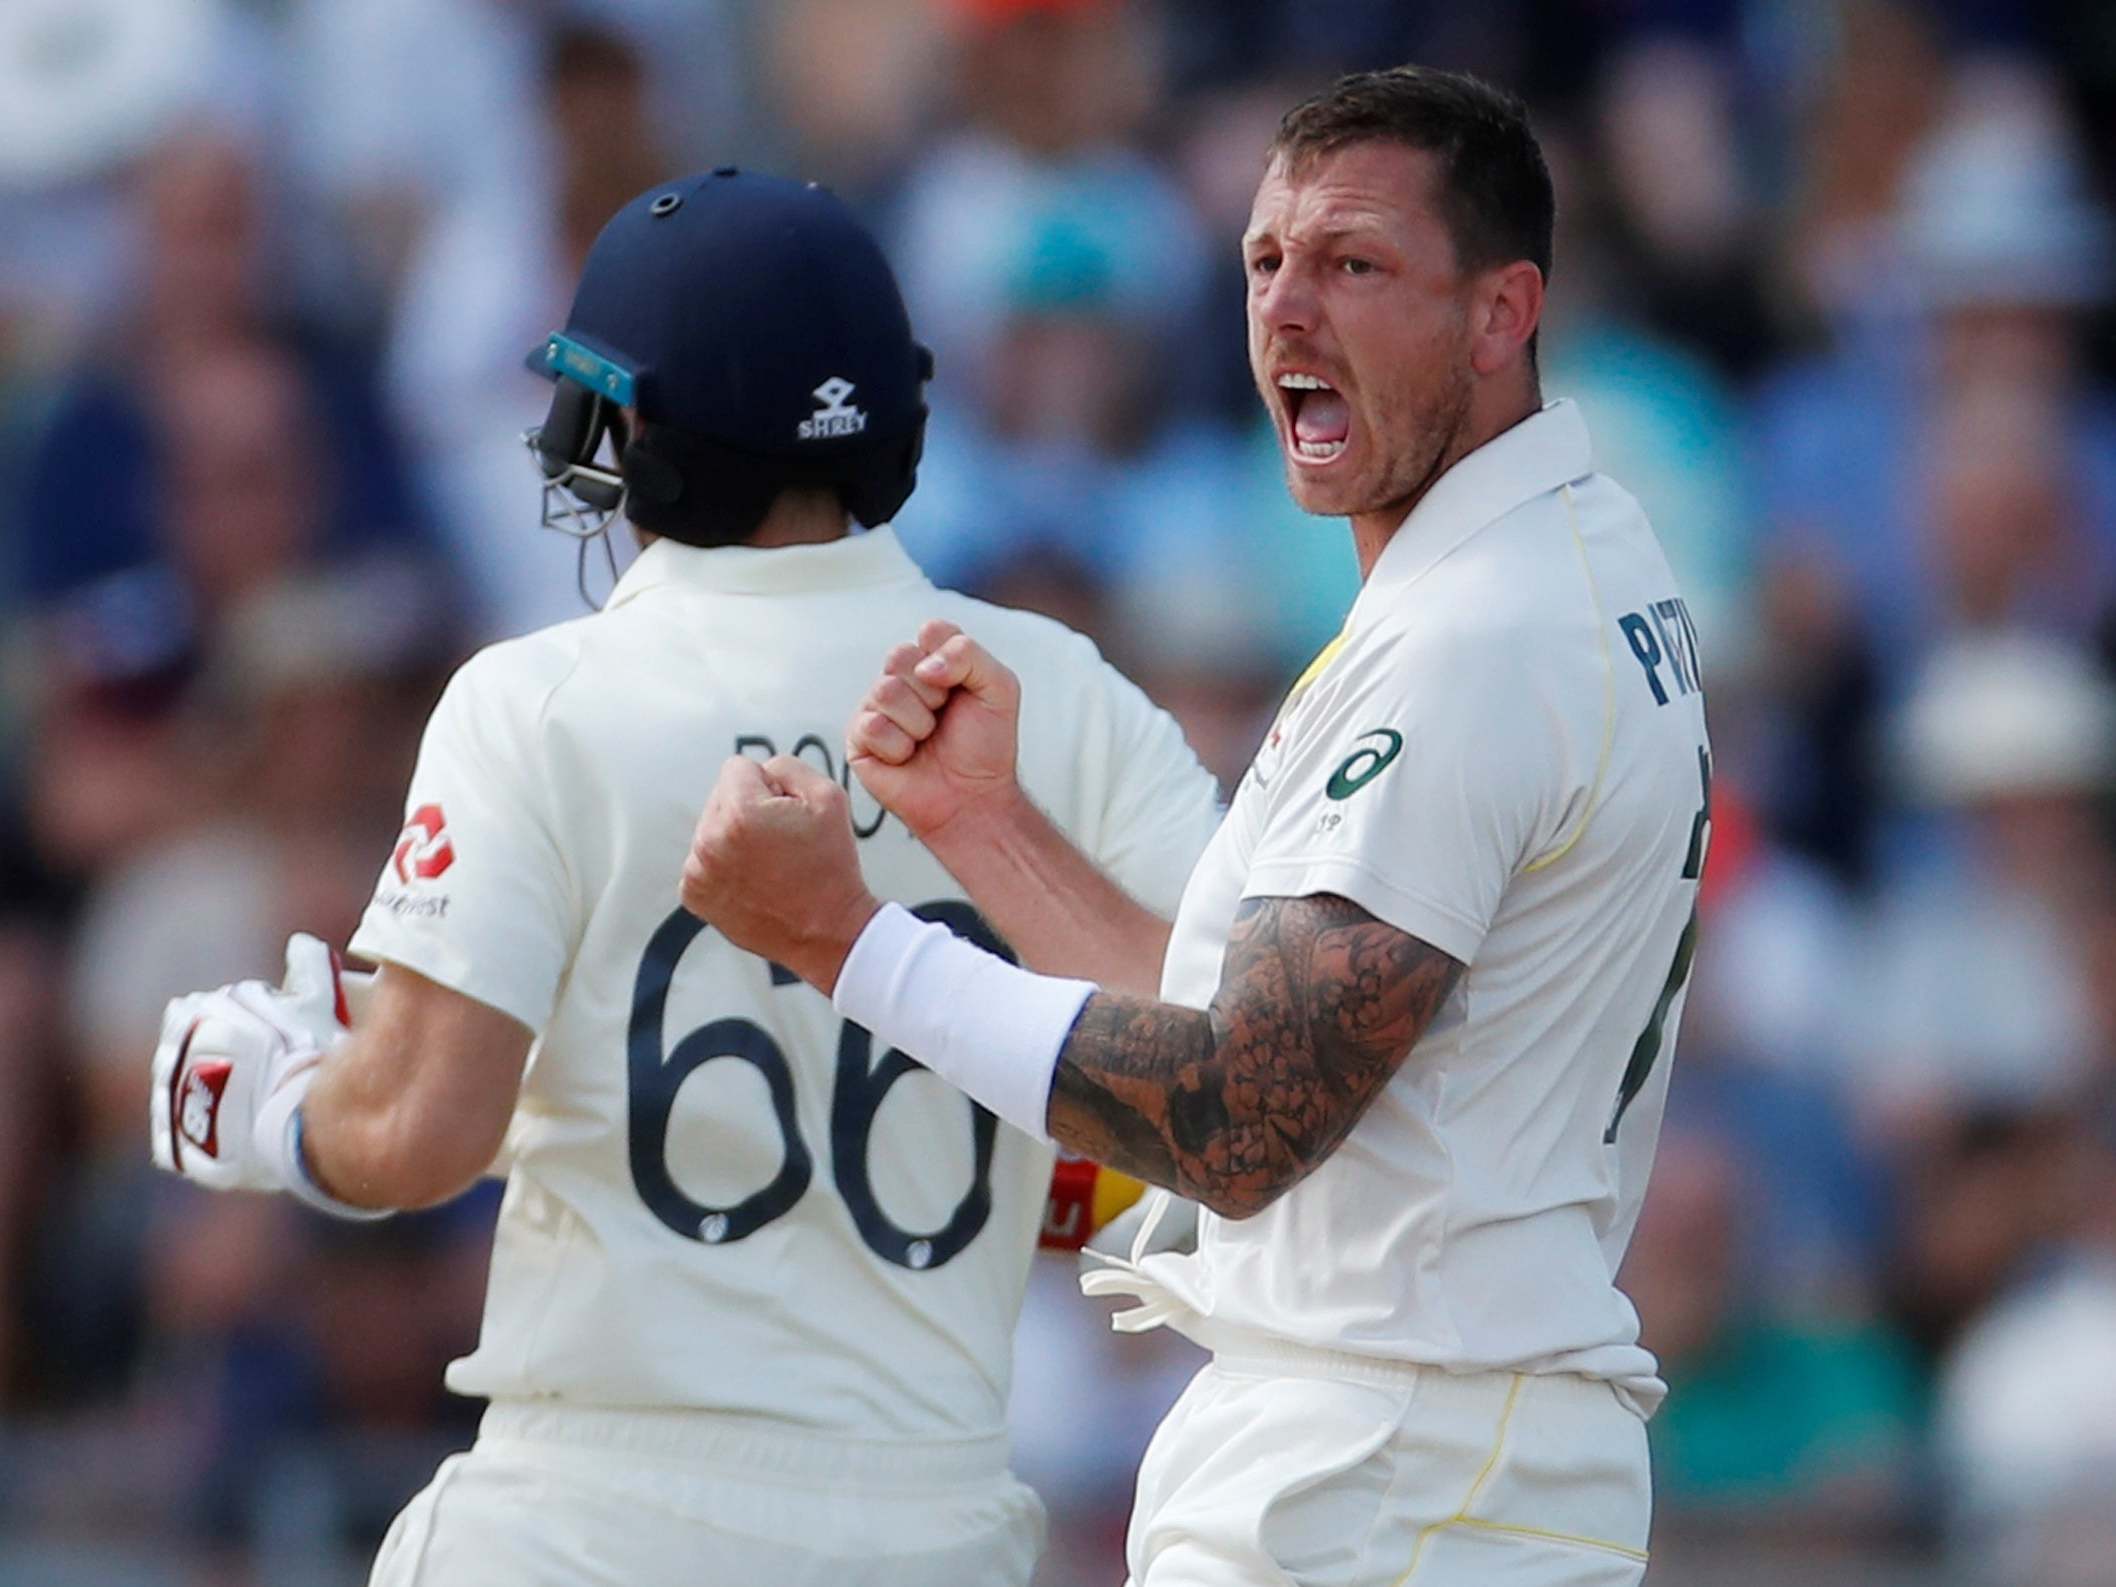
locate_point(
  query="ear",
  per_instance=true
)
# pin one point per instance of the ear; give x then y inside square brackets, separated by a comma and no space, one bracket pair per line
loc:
[1504,314]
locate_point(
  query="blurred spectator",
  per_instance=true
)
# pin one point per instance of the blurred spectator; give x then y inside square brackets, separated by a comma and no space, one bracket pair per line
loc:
[1761,1067]
[89,83]
[1189,635]
[87,89]
[1773,971]
[108,766]
[1974,991]
[127,470]
[1668,108]
[854,82]
[380,161]
[1896,502]
[1975,1030]
[1983,1196]
[1872,98]
[2027,1411]
[488,280]
[239,464]
[2004,250]
[1823,1229]
[1806,1425]
[1544,49]
[1063,450]
[383,165]
[1052,92]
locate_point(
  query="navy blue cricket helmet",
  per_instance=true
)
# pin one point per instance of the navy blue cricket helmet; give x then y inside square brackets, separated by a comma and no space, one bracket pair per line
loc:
[756,329]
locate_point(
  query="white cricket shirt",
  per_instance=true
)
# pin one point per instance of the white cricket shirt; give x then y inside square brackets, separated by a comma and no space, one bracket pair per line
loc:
[721,1196]
[1504,755]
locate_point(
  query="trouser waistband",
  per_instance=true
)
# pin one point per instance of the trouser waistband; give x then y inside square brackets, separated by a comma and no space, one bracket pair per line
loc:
[1242,1350]
[1246,1349]
[748,1445]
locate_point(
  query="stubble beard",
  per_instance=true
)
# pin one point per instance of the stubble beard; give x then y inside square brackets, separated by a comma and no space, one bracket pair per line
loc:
[1431,430]
[1429,424]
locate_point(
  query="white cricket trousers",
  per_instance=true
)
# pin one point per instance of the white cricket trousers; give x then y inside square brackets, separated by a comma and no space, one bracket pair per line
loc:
[1285,1465]
[555,1496]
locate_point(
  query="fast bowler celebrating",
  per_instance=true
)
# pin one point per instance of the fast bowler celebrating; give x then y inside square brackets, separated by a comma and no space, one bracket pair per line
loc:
[1412,1044]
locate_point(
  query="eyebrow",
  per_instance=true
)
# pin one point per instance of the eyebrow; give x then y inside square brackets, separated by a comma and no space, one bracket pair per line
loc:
[1369,227]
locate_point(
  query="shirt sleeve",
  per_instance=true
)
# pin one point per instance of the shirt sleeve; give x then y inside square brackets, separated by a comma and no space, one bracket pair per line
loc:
[475,893]
[1417,787]
[1161,806]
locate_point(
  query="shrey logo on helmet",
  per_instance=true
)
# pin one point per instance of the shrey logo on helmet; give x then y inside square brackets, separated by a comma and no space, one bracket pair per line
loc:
[423,848]
[833,415]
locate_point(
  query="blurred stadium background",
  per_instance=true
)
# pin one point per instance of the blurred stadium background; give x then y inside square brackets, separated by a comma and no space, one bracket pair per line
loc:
[1833,288]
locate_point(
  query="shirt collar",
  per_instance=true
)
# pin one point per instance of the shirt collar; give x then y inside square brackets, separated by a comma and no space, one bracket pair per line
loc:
[859,561]
[1547,449]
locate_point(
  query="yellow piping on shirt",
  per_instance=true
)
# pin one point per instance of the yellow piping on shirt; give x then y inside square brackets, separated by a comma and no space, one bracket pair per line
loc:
[1601,633]
[1323,658]
[1463,1518]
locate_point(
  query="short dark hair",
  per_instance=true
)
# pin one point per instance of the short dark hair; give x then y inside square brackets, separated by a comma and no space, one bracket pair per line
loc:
[1495,193]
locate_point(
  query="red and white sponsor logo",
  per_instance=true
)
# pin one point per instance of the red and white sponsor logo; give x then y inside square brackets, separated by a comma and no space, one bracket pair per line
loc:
[423,849]
[199,1089]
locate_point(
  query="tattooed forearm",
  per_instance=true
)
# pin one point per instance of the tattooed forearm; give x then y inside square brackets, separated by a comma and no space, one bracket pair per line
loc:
[1318,1004]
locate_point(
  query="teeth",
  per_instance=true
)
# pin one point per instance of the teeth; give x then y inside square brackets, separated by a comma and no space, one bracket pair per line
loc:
[1319,451]
[1304,383]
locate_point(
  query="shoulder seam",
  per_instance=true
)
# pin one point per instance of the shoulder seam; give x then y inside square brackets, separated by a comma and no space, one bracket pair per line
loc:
[538,721]
[1601,634]
[543,709]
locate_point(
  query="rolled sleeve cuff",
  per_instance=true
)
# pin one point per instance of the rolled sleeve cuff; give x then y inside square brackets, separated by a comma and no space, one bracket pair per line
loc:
[1452,932]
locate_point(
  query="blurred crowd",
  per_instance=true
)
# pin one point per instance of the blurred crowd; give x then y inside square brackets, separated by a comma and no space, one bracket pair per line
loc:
[1833,289]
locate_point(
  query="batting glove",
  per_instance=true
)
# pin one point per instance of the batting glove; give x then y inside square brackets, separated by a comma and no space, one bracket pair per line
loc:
[232,1069]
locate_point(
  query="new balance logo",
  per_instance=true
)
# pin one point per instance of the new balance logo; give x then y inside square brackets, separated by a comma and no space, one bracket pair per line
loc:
[834,416]
[198,1109]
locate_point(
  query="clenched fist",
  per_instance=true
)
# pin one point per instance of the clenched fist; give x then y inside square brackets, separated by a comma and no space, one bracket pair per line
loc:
[936,735]
[772,866]
[234,1064]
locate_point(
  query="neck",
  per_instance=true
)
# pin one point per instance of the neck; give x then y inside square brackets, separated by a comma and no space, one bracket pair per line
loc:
[803,518]
[1372,531]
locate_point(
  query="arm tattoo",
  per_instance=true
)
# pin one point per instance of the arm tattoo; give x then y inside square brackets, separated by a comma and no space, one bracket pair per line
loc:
[1318,1004]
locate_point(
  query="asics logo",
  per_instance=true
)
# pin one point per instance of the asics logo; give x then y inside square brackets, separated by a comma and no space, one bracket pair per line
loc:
[834,416]
[1364,764]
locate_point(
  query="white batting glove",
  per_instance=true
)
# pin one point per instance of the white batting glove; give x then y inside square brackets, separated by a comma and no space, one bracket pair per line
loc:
[232,1067]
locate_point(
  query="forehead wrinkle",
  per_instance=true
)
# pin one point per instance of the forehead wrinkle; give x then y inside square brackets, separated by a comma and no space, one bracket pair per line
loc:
[1322,213]
[1328,227]
[1294,197]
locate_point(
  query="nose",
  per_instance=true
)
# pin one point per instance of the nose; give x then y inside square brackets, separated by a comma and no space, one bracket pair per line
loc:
[1286,301]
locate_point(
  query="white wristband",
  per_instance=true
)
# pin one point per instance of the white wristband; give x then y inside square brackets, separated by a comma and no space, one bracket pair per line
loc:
[279,1129]
[973,1019]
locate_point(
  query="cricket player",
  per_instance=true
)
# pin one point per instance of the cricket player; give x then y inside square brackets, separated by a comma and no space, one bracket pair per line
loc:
[1411,1047]
[756,1275]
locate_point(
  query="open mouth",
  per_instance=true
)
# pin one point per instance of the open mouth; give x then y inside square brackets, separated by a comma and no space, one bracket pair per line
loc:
[1318,418]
